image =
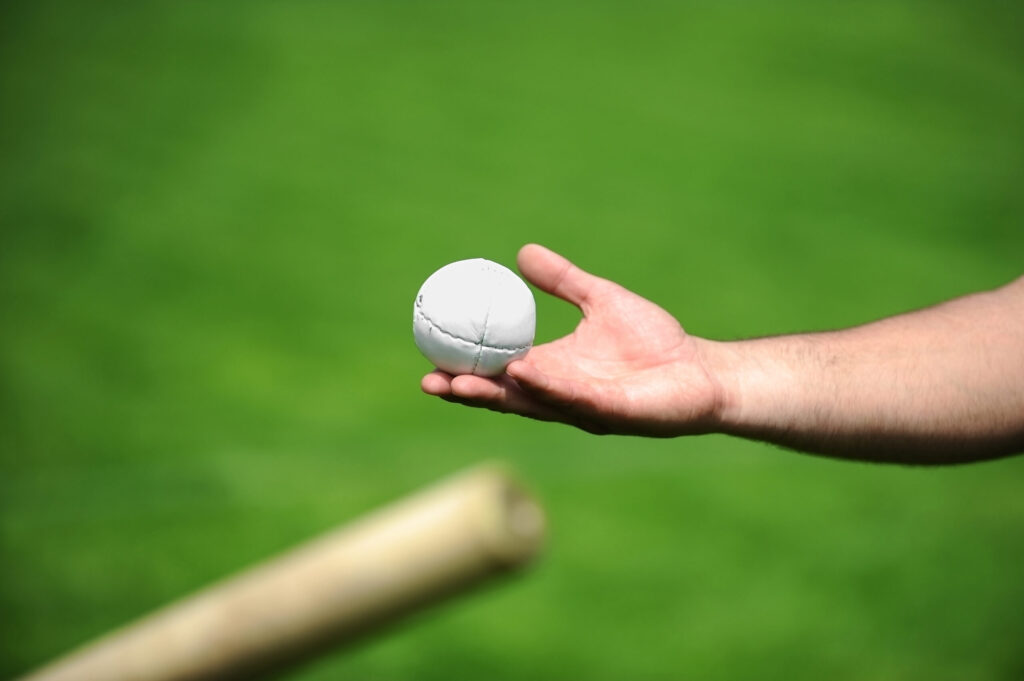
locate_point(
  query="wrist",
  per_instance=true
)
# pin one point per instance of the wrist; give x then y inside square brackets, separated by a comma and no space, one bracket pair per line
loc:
[720,363]
[756,383]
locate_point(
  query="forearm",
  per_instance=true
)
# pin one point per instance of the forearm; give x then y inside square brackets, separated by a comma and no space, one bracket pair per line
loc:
[940,385]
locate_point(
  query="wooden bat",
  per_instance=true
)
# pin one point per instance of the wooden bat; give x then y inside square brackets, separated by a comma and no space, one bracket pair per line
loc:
[327,592]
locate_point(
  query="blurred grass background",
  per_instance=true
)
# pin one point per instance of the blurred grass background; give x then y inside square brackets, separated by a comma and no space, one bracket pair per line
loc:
[214,218]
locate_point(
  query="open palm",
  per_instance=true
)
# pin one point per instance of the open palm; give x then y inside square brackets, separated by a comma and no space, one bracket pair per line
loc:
[628,367]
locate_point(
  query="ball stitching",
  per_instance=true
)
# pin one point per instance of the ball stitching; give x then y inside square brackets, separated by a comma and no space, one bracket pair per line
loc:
[480,343]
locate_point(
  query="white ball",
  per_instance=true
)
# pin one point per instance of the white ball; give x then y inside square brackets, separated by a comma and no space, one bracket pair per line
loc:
[474,317]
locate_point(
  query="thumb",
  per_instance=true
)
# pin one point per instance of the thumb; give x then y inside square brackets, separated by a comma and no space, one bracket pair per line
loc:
[554,274]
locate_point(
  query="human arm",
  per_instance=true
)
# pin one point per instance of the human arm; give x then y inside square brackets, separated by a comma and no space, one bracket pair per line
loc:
[940,385]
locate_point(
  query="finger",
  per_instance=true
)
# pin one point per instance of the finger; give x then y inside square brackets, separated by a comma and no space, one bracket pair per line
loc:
[554,274]
[470,387]
[567,399]
[505,395]
[502,395]
[437,383]
[558,393]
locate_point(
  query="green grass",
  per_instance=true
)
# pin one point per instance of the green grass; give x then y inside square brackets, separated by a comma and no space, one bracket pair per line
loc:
[213,220]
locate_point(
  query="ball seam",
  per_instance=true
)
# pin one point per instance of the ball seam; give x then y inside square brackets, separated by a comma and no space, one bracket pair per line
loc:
[483,339]
[498,348]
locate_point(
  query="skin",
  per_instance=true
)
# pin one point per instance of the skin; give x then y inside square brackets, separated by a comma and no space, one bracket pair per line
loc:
[940,385]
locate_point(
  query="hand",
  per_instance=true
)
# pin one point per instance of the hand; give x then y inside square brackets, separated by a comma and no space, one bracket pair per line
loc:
[628,368]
